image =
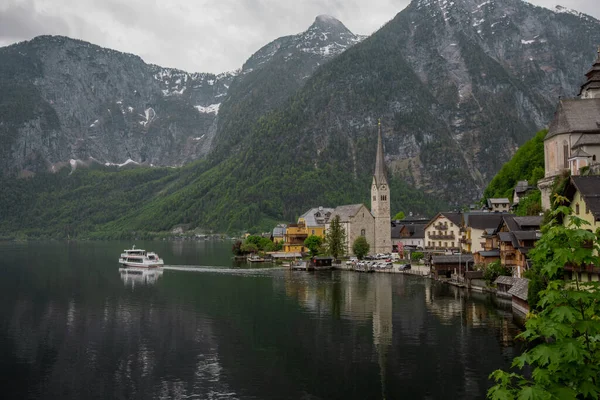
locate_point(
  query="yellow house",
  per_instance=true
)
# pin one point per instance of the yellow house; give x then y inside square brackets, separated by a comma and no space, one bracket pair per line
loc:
[295,235]
[584,195]
[310,223]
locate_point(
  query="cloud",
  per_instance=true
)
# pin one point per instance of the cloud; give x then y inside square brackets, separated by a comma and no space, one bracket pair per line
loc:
[196,35]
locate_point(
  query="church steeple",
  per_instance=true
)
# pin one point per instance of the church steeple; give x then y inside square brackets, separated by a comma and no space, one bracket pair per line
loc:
[380,203]
[380,176]
[591,88]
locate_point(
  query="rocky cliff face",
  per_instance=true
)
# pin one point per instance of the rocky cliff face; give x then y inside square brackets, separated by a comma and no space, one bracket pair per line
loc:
[458,85]
[66,99]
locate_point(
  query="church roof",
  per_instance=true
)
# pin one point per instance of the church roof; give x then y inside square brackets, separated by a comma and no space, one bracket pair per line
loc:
[586,140]
[346,212]
[380,175]
[579,153]
[575,115]
[593,76]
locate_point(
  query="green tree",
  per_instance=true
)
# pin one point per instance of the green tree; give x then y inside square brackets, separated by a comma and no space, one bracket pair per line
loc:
[417,256]
[399,216]
[360,247]
[493,270]
[249,247]
[313,243]
[564,329]
[335,238]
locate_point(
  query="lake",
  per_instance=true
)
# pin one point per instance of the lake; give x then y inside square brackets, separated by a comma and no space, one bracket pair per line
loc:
[72,326]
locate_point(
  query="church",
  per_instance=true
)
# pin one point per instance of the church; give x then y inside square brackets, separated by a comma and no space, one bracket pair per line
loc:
[374,225]
[573,138]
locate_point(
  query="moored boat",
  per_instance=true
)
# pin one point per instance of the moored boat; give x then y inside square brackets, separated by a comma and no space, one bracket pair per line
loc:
[140,258]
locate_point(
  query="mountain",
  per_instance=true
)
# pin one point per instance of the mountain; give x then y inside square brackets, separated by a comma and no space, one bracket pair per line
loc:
[275,72]
[458,86]
[65,99]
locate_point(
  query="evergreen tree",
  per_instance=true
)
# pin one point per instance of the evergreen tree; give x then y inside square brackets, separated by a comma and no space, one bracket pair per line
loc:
[335,238]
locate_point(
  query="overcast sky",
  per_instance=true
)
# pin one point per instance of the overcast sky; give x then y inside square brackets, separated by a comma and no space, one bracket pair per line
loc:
[198,35]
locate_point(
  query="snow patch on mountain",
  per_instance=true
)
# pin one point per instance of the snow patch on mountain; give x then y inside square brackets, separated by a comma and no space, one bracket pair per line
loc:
[211,109]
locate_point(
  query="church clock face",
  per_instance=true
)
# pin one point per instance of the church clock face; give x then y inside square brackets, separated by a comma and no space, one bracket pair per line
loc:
[383,187]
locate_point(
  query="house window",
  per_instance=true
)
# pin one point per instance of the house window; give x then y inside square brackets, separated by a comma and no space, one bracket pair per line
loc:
[374,198]
[577,209]
[451,244]
[565,155]
[445,244]
[362,232]
[313,231]
[594,157]
[439,244]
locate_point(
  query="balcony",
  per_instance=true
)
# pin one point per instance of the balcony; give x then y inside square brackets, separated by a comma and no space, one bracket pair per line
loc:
[465,241]
[440,227]
[442,237]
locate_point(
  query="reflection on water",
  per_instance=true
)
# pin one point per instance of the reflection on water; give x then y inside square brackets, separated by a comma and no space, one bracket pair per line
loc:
[140,276]
[73,328]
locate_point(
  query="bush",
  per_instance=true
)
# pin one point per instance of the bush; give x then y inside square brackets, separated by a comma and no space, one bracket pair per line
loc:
[494,270]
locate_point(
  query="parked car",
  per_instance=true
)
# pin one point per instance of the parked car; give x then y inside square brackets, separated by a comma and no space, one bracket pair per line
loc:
[404,267]
[352,260]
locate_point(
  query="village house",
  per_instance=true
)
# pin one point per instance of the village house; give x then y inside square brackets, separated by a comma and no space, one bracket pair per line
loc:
[278,234]
[443,232]
[476,224]
[522,189]
[516,236]
[583,193]
[444,266]
[573,138]
[498,205]
[408,234]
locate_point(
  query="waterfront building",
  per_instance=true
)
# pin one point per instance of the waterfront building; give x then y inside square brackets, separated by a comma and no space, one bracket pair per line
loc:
[443,232]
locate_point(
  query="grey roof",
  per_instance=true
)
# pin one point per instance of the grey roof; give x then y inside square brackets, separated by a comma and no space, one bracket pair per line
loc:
[505,236]
[279,230]
[523,186]
[520,288]
[505,280]
[415,231]
[490,253]
[454,217]
[346,212]
[380,175]
[317,216]
[586,140]
[575,115]
[500,200]
[529,222]
[526,235]
[452,259]
[589,187]
[483,220]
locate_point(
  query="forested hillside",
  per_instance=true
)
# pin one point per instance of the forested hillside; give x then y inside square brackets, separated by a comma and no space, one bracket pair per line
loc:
[526,165]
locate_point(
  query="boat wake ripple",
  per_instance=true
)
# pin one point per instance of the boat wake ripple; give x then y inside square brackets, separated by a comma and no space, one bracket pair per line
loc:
[221,270]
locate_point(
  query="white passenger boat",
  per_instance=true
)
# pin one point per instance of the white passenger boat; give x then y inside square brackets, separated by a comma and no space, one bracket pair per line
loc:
[140,258]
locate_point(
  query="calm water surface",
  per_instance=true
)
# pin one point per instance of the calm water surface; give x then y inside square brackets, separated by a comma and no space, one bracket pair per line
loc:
[72,326]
